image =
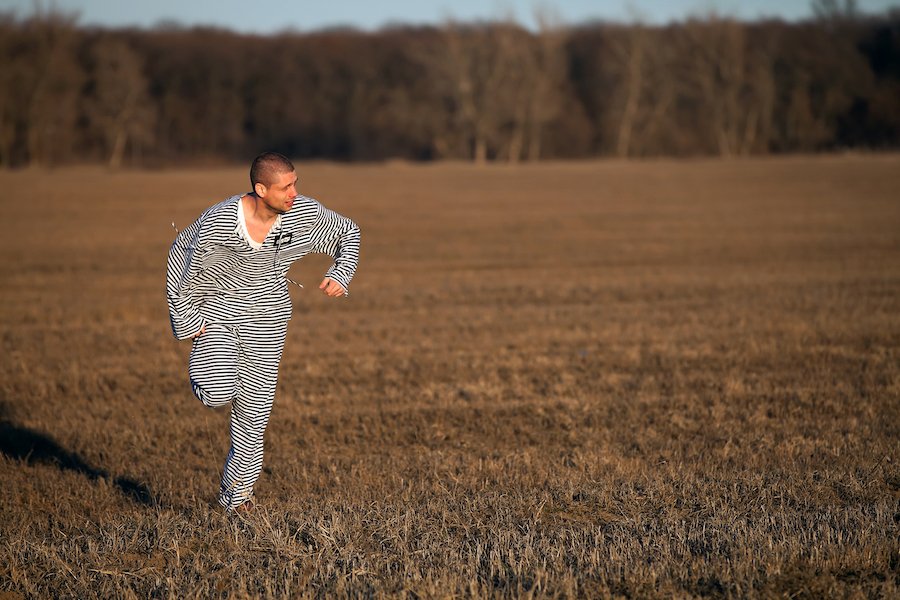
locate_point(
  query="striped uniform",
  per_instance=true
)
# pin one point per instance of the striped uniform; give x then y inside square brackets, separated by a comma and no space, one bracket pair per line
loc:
[217,280]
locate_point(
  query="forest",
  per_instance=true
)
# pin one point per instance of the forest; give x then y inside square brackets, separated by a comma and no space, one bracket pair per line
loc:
[483,91]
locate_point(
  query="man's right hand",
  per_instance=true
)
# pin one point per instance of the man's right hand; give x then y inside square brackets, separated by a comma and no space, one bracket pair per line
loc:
[199,333]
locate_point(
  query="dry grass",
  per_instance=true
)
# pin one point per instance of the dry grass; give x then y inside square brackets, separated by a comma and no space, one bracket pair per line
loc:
[593,379]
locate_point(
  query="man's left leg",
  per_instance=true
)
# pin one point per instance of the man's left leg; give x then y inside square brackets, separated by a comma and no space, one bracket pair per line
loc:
[260,347]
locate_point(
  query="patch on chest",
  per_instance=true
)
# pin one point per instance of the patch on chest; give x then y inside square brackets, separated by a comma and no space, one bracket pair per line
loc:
[283,238]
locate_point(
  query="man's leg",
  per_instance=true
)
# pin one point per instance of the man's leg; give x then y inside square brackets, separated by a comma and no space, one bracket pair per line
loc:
[260,346]
[213,366]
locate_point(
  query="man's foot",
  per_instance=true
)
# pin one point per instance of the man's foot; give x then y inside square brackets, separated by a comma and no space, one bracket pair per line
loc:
[245,508]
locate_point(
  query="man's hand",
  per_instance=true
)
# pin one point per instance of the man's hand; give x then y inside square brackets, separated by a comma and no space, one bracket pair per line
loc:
[199,333]
[332,288]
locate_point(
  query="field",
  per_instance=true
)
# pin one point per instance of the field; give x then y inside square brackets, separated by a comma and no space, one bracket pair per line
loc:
[596,379]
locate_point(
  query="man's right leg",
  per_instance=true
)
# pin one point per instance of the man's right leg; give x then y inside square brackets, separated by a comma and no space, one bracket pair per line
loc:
[213,366]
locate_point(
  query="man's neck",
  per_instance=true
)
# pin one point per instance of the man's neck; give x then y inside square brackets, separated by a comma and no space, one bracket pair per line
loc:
[257,210]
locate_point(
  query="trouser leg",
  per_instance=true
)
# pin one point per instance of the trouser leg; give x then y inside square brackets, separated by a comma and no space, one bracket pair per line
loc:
[213,366]
[259,352]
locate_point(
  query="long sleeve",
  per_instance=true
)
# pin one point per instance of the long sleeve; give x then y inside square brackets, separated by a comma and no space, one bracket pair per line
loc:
[338,237]
[182,266]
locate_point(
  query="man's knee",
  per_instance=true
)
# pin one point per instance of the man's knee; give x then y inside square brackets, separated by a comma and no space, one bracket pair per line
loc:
[214,395]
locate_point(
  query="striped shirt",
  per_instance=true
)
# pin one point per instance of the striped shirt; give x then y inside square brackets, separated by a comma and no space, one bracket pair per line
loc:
[215,276]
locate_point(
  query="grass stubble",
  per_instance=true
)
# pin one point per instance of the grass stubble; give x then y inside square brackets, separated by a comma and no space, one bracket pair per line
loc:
[608,379]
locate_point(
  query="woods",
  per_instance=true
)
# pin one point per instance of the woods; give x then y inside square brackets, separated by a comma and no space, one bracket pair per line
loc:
[466,91]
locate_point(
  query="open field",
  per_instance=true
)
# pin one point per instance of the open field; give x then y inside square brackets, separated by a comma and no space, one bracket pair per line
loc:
[587,379]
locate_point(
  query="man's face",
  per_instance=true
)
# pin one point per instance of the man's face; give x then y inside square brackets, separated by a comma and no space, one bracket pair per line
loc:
[279,195]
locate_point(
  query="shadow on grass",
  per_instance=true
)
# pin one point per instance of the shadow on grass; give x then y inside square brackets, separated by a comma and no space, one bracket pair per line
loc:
[33,447]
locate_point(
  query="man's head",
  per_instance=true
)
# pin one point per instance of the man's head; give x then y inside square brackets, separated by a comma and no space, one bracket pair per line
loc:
[274,181]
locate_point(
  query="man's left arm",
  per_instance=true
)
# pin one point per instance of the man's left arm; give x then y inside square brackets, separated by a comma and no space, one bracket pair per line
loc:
[337,236]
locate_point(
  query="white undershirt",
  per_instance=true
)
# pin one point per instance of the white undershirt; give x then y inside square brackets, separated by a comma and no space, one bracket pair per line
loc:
[242,226]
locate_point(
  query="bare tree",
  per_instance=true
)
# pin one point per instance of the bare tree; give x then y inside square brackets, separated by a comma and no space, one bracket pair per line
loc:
[485,66]
[465,47]
[630,52]
[659,93]
[8,88]
[519,89]
[637,67]
[549,78]
[835,9]
[120,107]
[732,86]
[52,86]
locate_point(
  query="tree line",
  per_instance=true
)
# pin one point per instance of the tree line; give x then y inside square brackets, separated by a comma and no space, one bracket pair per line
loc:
[491,91]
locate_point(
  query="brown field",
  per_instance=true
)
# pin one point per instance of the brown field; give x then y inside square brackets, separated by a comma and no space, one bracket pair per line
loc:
[595,379]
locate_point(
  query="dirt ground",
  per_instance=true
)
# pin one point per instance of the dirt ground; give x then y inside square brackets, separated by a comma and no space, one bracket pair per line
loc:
[594,379]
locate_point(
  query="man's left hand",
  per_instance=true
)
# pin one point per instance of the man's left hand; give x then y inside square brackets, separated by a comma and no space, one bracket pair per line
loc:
[332,288]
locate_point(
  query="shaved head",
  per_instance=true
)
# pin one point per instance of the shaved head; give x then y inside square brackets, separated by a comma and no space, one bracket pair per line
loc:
[267,167]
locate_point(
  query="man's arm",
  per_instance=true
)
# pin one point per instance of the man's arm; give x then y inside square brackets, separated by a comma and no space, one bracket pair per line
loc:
[338,237]
[181,267]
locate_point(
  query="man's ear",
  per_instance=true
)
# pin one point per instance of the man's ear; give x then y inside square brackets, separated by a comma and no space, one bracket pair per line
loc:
[260,190]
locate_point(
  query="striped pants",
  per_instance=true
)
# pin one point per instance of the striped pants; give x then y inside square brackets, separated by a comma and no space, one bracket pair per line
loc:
[239,364]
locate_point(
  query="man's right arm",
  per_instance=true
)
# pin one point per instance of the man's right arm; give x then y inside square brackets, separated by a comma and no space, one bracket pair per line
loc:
[182,266]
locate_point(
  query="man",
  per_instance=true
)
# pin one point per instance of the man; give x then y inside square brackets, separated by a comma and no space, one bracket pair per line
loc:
[226,289]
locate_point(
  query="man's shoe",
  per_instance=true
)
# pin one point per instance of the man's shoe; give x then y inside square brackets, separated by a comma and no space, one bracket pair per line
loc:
[245,508]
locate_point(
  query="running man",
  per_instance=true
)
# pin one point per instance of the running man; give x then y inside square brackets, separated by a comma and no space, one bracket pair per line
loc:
[227,290]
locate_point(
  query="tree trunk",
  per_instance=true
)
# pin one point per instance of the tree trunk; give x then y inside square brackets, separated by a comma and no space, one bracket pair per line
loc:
[480,151]
[517,138]
[534,143]
[635,81]
[115,158]
[750,131]
[516,142]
